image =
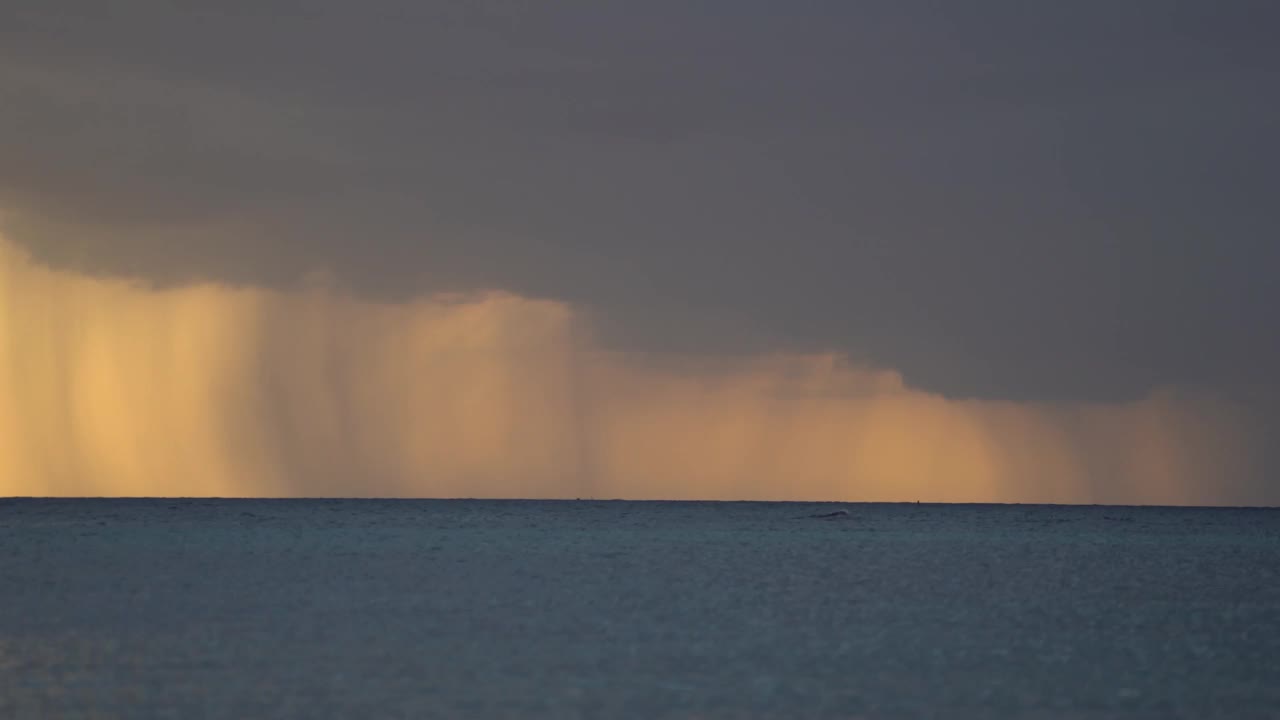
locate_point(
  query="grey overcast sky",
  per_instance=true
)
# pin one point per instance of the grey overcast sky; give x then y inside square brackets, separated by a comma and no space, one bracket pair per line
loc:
[1005,199]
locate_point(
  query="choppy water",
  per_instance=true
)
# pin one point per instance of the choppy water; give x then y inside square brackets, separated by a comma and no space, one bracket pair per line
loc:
[338,608]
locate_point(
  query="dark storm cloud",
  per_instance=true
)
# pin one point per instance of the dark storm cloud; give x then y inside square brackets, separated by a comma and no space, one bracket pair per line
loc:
[998,198]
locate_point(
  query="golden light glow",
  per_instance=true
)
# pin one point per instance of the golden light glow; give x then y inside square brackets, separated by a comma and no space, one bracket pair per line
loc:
[113,388]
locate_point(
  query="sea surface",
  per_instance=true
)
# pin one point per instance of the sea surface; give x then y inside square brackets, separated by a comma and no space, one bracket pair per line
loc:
[568,609]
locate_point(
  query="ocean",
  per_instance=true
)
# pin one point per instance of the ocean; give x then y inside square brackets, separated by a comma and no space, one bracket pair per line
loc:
[615,609]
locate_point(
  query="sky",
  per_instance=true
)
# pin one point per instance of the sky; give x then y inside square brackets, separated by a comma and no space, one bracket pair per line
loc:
[991,251]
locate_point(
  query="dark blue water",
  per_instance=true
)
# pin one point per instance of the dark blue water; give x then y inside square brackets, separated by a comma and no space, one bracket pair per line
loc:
[397,608]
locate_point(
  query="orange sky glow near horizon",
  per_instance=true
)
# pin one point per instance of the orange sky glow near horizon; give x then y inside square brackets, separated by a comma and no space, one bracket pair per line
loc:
[113,388]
